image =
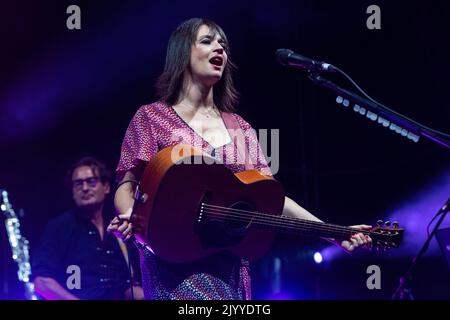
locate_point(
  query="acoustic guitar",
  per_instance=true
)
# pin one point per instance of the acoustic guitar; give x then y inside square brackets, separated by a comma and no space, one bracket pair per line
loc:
[191,207]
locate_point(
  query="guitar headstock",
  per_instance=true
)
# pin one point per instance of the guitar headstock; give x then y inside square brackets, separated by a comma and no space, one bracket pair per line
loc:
[386,235]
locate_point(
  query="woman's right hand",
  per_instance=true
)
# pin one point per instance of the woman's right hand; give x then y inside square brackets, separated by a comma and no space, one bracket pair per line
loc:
[121,227]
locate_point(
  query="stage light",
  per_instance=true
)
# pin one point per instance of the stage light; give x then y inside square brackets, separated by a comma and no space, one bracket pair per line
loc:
[375,117]
[318,257]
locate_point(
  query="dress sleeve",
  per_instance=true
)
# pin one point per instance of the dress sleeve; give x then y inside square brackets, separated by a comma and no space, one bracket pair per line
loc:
[139,144]
[257,159]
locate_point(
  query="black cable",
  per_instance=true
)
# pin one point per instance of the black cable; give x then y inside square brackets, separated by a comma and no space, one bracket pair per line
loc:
[130,275]
[429,224]
[126,181]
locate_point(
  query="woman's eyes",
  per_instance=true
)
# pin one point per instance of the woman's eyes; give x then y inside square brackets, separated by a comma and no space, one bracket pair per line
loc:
[208,41]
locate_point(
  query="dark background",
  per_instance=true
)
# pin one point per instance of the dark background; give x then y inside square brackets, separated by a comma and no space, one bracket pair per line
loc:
[69,93]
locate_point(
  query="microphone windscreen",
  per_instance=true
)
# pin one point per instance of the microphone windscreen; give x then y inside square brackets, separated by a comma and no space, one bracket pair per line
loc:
[282,56]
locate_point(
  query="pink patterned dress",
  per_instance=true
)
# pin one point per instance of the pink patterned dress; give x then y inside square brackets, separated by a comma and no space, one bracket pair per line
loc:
[223,275]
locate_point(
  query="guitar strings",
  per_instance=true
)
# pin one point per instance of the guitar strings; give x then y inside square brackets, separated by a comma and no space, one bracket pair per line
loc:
[340,235]
[260,220]
[274,218]
[271,220]
[377,242]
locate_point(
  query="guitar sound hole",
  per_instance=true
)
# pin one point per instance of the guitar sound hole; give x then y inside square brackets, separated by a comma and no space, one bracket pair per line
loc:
[228,229]
[239,215]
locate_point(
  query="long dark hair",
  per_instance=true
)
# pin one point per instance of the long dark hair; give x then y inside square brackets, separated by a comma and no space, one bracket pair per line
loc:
[170,82]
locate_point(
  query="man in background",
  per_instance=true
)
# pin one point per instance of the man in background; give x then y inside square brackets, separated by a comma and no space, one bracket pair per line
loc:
[77,259]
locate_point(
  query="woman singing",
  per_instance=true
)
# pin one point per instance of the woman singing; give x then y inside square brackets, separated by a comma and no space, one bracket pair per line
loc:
[197,101]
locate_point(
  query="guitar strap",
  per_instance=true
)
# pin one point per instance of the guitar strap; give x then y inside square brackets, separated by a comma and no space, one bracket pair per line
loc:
[230,121]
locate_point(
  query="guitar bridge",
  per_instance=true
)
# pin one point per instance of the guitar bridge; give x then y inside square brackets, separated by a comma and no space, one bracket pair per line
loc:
[201,216]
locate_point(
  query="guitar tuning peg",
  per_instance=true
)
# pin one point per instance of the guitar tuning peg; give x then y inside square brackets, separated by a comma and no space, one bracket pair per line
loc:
[395,224]
[380,223]
[387,223]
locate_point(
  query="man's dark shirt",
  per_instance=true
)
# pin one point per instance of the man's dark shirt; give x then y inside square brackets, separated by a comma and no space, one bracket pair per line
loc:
[71,239]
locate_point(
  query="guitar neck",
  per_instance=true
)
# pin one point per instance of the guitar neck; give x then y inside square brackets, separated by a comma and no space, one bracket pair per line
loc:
[382,237]
[282,224]
[285,224]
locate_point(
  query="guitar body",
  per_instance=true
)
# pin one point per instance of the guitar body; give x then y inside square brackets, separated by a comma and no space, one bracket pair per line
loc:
[176,227]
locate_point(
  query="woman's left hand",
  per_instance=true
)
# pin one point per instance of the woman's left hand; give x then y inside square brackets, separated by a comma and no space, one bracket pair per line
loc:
[358,240]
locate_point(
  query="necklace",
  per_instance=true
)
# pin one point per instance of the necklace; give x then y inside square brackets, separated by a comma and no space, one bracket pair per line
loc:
[208,112]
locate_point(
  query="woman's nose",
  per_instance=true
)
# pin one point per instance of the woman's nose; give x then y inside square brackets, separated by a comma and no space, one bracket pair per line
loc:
[218,48]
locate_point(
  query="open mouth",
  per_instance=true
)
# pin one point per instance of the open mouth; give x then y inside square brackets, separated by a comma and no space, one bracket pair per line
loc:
[217,61]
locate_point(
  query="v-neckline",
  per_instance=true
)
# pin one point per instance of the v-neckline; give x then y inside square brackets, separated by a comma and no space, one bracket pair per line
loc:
[198,135]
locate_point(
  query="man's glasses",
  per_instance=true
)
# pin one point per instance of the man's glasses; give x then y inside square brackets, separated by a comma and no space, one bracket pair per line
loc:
[79,183]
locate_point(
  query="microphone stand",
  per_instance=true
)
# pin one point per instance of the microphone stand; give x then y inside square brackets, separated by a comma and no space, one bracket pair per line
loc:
[379,110]
[403,291]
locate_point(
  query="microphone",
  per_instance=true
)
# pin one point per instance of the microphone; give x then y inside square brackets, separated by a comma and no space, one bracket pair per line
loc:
[288,57]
